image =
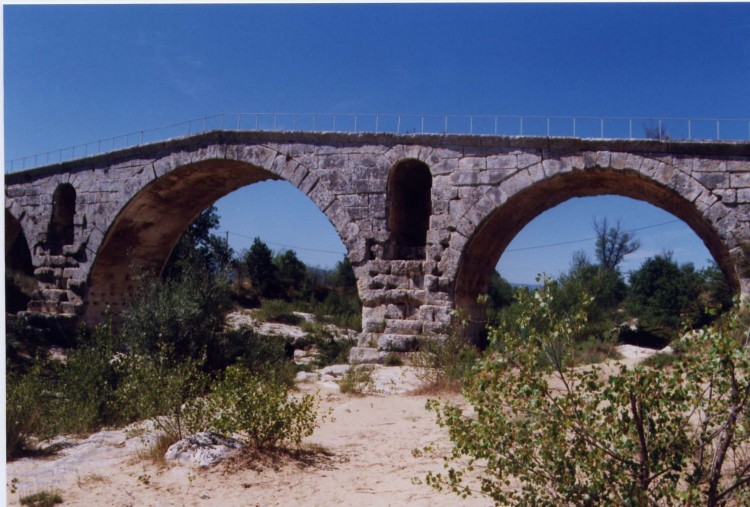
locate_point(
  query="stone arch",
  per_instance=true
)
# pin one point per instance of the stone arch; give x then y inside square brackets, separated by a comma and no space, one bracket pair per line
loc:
[61,231]
[18,264]
[409,206]
[148,226]
[493,234]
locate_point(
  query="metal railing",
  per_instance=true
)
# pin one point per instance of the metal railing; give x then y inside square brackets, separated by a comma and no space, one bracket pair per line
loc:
[613,127]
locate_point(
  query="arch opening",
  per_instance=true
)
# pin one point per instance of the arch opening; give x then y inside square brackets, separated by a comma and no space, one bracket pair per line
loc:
[20,282]
[409,206]
[494,234]
[61,231]
[145,232]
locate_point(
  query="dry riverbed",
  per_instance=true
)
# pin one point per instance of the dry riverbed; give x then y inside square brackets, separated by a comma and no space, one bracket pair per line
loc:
[360,455]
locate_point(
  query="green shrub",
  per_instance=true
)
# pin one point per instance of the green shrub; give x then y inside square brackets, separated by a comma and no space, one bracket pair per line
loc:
[357,380]
[330,349]
[261,354]
[561,435]
[393,359]
[28,400]
[277,310]
[444,365]
[42,499]
[187,313]
[87,383]
[258,410]
[159,387]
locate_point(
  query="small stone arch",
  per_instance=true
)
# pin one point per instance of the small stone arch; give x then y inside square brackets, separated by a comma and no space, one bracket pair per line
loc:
[493,234]
[61,230]
[409,206]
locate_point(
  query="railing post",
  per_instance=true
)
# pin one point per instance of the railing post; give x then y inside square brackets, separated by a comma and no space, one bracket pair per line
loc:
[521,133]
[446,125]
[239,116]
[334,123]
[547,126]
[660,132]
[690,128]
[377,122]
[601,128]
[630,128]
[718,132]
[574,126]
[423,124]
[398,125]
[495,125]
[471,124]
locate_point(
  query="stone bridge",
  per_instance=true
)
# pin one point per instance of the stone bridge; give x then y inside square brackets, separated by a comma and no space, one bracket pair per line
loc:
[424,218]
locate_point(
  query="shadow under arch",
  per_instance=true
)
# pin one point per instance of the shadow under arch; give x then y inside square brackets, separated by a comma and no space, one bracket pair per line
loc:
[492,236]
[19,267]
[148,227]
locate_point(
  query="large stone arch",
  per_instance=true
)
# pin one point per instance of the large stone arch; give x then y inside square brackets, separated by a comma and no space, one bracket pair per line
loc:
[146,229]
[521,199]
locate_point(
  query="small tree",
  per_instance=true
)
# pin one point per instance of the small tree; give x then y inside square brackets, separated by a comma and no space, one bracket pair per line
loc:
[558,435]
[613,244]
[260,268]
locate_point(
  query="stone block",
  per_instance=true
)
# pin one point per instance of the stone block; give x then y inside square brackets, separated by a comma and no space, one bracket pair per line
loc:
[366,355]
[403,327]
[397,343]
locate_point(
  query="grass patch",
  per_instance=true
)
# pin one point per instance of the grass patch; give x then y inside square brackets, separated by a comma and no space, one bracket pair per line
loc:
[443,365]
[155,452]
[42,499]
[594,351]
[278,310]
[357,380]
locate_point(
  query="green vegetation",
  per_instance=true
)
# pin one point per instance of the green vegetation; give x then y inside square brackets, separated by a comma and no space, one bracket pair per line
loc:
[257,409]
[550,433]
[357,380]
[42,499]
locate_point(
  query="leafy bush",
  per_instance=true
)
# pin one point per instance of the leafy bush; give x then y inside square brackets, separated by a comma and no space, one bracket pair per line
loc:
[87,382]
[357,380]
[257,409]
[562,435]
[187,313]
[27,401]
[158,387]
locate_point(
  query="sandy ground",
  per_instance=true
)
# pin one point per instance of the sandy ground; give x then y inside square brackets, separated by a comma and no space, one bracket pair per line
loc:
[361,455]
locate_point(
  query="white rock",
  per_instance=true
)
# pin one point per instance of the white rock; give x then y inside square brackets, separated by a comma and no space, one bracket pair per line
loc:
[203,449]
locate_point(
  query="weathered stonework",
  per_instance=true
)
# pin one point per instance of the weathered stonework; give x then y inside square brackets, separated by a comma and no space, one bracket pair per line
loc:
[130,206]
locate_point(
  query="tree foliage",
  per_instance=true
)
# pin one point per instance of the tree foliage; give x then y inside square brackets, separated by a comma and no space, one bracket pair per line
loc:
[559,435]
[663,293]
[613,244]
[199,248]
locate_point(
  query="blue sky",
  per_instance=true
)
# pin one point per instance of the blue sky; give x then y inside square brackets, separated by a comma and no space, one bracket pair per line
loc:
[73,74]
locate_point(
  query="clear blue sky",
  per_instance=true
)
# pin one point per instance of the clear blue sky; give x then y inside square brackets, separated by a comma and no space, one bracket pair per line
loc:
[78,73]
